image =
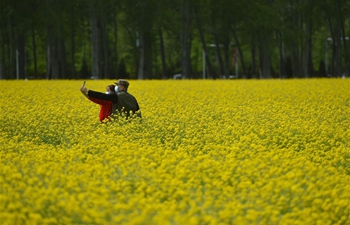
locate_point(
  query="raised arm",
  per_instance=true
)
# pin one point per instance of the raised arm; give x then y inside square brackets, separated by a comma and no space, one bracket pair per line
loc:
[98,95]
[102,96]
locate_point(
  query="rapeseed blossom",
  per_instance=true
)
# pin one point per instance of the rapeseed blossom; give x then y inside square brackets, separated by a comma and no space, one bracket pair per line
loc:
[205,152]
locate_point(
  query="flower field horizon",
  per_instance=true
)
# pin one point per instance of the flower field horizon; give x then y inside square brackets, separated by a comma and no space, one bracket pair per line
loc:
[206,152]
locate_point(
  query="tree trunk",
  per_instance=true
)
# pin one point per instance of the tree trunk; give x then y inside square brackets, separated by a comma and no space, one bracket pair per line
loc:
[204,45]
[49,48]
[336,63]
[20,57]
[265,56]
[337,50]
[11,63]
[99,41]
[54,62]
[253,52]
[105,52]
[62,60]
[217,49]
[227,56]
[162,54]
[3,61]
[115,44]
[295,60]
[346,50]
[34,54]
[145,57]
[48,59]
[185,39]
[240,51]
[72,69]
[148,55]
[306,50]
[141,61]
[264,63]
[96,48]
[56,59]
[282,59]
[296,50]
[311,70]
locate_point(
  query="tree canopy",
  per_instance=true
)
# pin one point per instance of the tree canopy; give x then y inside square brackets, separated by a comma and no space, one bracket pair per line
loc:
[155,39]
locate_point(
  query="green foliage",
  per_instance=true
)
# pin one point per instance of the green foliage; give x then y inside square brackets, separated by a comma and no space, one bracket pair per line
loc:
[261,25]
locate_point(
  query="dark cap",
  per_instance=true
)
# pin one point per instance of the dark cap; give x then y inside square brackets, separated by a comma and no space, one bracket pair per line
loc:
[123,82]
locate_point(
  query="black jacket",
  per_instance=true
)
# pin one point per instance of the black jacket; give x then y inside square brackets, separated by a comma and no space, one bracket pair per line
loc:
[122,101]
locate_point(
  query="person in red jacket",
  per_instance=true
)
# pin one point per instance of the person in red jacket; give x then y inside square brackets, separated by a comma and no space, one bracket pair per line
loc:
[105,106]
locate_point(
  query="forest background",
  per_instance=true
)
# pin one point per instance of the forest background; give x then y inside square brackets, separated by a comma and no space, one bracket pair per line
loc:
[156,39]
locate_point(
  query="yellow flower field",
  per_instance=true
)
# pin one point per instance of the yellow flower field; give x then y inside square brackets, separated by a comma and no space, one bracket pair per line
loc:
[206,152]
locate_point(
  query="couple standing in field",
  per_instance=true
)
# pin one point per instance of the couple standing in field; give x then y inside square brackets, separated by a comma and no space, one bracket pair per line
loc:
[117,99]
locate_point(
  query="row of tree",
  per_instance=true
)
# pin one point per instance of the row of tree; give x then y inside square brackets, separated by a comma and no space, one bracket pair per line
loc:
[153,39]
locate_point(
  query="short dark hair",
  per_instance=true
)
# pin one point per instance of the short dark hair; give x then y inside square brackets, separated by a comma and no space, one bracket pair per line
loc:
[111,87]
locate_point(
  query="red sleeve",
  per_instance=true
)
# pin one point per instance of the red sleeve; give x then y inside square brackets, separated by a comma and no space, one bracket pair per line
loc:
[105,111]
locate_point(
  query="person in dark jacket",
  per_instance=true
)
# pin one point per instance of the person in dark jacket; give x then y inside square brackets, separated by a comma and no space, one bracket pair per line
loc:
[123,101]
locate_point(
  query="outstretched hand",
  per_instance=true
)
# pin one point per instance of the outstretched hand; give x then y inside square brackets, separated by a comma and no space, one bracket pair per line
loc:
[84,90]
